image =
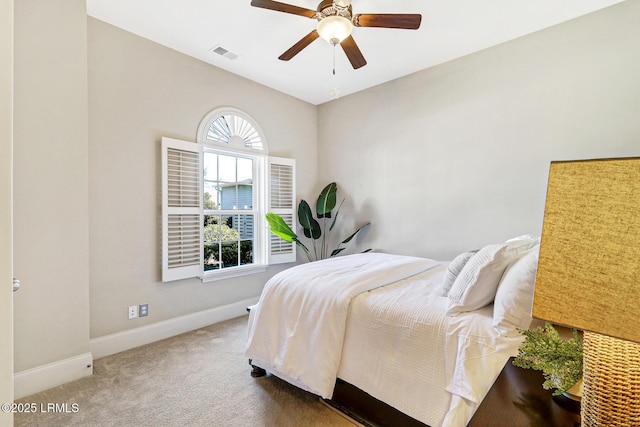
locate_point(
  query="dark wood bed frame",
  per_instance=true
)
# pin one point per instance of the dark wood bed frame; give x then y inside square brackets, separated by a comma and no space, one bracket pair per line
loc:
[360,406]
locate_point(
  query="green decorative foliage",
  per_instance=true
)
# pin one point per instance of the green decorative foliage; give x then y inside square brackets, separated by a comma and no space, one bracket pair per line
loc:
[559,360]
[315,229]
[327,201]
[309,224]
[280,228]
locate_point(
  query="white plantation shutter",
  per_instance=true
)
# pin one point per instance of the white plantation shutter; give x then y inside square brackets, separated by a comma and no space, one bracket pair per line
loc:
[281,200]
[181,210]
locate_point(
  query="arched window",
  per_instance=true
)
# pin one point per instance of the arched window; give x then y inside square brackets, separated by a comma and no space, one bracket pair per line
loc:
[232,129]
[237,184]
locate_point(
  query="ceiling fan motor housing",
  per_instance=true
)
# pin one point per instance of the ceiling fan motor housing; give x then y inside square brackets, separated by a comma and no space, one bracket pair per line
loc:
[331,8]
[335,22]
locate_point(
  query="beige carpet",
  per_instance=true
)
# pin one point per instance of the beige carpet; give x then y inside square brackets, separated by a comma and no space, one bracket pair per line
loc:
[200,378]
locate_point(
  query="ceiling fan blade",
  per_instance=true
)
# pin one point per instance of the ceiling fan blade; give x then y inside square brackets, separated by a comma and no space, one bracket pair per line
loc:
[353,53]
[283,7]
[296,48]
[407,21]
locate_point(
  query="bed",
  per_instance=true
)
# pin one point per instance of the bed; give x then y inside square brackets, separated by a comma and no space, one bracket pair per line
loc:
[425,337]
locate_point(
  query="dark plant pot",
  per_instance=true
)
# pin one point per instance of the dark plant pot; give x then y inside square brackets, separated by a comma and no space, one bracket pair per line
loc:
[571,398]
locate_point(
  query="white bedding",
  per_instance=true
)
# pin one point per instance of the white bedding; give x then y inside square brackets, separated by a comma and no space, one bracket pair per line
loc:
[402,348]
[378,322]
[297,328]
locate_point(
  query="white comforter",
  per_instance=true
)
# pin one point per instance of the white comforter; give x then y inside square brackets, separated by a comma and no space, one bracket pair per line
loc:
[403,349]
[296,331]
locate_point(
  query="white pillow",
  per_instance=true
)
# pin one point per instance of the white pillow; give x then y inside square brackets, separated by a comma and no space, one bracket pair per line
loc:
[453,270]
[477,283]
[514,298]
[528,240]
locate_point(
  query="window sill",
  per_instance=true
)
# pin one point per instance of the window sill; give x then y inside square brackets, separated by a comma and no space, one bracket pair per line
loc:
[232,272]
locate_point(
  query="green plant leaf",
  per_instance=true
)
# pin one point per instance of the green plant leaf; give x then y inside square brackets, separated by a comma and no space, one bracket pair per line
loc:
[327,201]
[280,228]
[335,217]
[318,231]
[348,239]
[559,360]
[310,226]
[337,251]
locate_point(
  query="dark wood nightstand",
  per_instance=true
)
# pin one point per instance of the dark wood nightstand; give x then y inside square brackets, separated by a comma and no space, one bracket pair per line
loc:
[517,399]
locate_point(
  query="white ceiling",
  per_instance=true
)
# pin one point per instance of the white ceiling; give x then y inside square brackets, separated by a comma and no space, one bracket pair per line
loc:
[450,29]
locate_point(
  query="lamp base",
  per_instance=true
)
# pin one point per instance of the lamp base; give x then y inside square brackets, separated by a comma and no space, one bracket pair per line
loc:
[611,395]
[575,392]
[568,403]
[571,398]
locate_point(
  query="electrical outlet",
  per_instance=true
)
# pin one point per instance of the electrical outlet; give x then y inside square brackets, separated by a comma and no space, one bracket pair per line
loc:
[144,310]
[133,311]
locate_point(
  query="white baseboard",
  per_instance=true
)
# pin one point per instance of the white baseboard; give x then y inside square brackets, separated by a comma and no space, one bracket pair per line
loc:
[121,341]
[54,374]
[45,377]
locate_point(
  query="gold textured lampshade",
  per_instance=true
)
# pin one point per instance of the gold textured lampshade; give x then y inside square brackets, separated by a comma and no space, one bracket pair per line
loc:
[589,268]
[589,278]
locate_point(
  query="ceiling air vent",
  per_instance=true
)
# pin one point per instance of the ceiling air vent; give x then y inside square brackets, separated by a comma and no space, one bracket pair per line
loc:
[223,52]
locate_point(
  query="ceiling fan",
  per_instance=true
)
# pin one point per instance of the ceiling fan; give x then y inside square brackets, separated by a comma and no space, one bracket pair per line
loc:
[335,22]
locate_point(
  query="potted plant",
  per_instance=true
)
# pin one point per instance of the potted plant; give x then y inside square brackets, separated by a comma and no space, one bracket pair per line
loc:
[318,230]
[559,360]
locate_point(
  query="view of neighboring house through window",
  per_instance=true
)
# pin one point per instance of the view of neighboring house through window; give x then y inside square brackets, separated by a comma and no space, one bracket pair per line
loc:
[229,214]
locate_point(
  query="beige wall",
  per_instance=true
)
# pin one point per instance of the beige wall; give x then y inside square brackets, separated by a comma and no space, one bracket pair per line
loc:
[87,204]
[140,91]
[457,156]
[446,159]
[87,199]
[51,219]
[6,234]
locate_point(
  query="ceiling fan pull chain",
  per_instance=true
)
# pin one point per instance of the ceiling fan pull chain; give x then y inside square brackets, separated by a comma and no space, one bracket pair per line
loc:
[334,58]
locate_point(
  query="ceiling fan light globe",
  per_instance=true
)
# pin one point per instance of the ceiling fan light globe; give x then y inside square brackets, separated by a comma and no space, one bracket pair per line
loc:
[334,29]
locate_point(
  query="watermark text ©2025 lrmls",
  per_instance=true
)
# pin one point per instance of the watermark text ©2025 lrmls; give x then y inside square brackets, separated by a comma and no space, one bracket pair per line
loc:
[66,408]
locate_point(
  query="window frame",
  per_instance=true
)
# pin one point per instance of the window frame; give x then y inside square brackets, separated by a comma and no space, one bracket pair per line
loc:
[268,249]
[259,263]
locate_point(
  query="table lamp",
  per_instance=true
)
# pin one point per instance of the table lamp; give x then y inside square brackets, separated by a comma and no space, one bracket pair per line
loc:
[589,278]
